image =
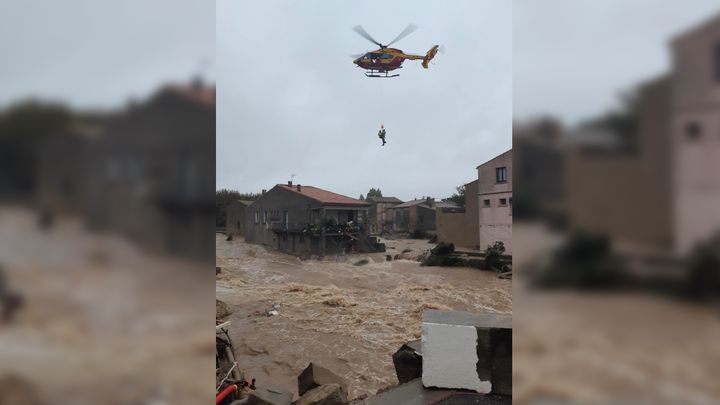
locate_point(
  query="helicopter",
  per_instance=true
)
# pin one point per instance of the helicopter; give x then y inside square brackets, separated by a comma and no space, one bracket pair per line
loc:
[381,62]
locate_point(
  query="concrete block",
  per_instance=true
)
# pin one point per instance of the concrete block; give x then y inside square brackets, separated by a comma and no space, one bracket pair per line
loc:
[461,350]
[328,394]
[314,376]
[270,396]
[408,361]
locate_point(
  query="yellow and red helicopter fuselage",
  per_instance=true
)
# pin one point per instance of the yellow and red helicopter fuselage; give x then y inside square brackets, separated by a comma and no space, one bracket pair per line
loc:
[382,60]
[388,59]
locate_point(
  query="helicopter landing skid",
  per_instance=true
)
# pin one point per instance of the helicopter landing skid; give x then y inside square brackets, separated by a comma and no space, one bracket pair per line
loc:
[378,74]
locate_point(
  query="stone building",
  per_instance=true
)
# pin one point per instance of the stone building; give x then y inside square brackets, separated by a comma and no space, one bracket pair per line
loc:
[235,216]
[380,215]
[461,226]
[417,215]
[306,220]
[495,201]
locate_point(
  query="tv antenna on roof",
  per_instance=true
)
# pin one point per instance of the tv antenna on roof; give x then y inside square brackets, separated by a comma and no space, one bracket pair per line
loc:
[292,177]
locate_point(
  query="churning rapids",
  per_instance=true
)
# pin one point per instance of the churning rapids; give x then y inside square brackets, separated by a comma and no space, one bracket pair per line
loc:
[346,317]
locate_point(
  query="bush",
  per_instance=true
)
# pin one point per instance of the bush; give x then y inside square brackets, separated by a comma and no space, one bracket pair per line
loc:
[492,257]
[704,275]
[443,249]
[585,261]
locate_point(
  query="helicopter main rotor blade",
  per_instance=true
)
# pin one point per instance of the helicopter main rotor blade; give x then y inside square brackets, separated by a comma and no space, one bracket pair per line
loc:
[357,55]
[361,31]
[407,31]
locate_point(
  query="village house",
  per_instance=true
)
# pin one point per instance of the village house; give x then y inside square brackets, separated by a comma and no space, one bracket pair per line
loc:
[235,217]
[381,217]
[461,226]
[495,201]
[417,215]
[305,220]
[144,174]
[661,194]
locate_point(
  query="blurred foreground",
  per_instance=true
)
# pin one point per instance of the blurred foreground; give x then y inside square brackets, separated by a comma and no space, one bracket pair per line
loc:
[617,235]
[102,322]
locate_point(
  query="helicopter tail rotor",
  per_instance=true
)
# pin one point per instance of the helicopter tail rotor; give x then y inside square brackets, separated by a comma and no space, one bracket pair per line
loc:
[430,55]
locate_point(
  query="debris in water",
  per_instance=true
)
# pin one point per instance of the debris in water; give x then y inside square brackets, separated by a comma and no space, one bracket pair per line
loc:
[337,302]
[222,310]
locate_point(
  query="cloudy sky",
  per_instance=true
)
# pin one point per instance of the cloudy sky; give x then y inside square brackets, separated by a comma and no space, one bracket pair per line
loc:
[290,101]
[571,58]
[98,54]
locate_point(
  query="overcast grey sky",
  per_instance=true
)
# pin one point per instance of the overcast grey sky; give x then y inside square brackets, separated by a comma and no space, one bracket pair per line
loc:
[290,101]
[100,53]
[571,58]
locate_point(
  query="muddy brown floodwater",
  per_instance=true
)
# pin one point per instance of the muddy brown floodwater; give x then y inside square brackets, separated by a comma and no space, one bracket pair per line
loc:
[348,318]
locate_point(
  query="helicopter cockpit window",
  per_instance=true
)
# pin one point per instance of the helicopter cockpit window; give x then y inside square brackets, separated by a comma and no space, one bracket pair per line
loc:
[385,56]
[373,56]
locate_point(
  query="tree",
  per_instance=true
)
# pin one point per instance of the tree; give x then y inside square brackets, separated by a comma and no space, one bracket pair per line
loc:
[223,198]
[23,127]
[374,193]
[362,198]
[459,196]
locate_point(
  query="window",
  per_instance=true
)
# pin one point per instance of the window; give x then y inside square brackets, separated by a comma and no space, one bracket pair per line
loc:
[265,217]
[503,202]
[257,217]
[501,175]
[486,203]
[693,131]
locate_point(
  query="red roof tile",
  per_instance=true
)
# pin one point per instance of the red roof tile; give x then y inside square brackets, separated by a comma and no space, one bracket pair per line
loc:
[202,96]
[323,196]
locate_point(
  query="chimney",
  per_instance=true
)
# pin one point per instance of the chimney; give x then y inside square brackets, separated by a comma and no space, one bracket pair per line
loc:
[264,191]
[298,188]
[290,183]
[429,202]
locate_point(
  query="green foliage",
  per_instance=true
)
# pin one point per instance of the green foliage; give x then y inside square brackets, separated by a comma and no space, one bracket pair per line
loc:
[374,193]
[624,121]
[586,262]
[223,198]
[704,278]
[492,257]
[22,128]
[459,196]
[362,198]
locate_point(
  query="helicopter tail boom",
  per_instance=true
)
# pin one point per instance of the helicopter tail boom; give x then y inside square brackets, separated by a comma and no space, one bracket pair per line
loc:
[429,56]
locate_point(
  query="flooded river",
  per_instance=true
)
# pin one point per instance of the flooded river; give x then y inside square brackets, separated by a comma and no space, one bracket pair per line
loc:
[346,317]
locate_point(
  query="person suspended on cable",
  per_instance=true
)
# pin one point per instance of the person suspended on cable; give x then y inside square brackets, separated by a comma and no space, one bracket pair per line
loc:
[381,135]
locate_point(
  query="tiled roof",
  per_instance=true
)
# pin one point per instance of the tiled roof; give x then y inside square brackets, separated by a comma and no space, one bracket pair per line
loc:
[384,199]
[446,204]
[411,203]
[323,196]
